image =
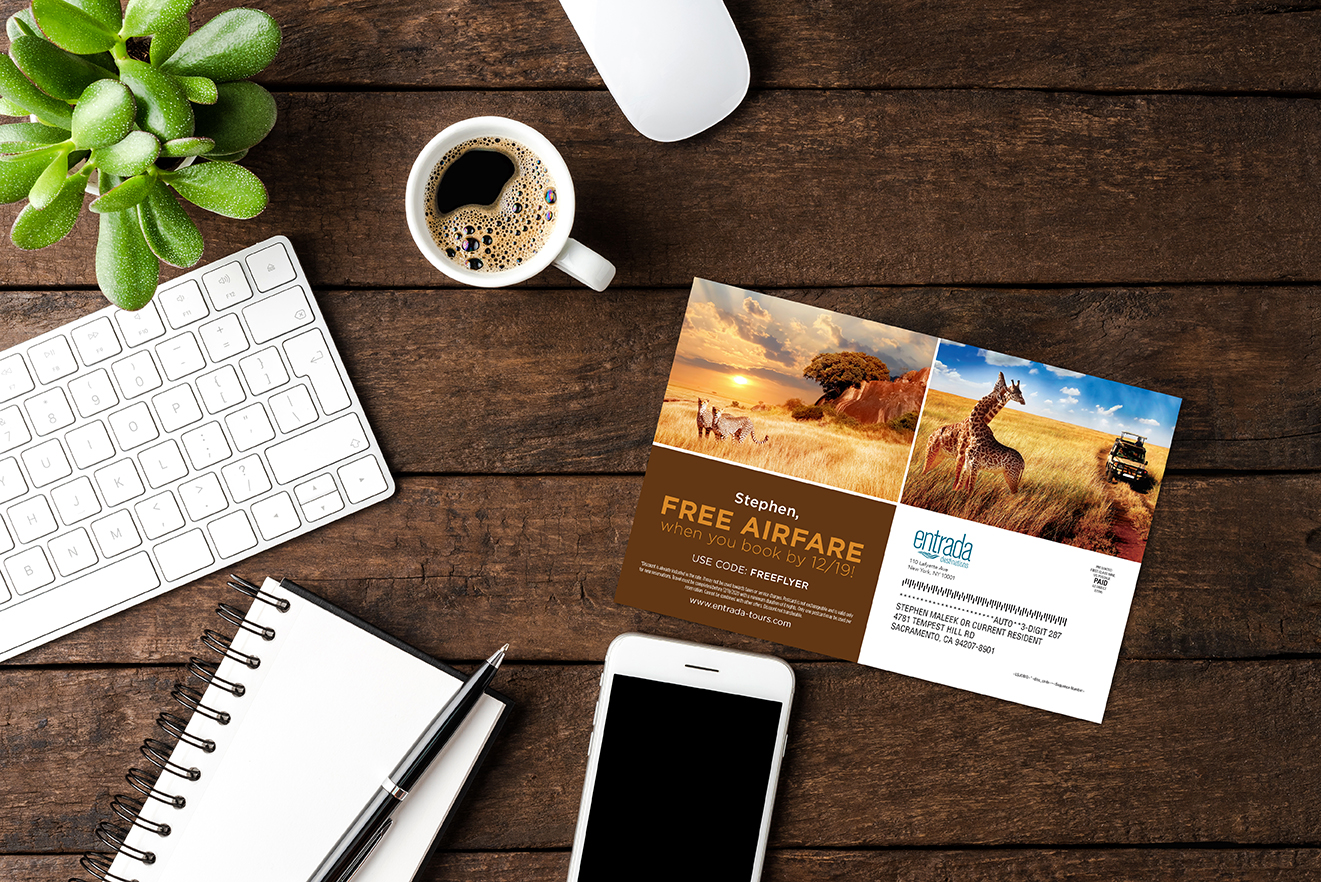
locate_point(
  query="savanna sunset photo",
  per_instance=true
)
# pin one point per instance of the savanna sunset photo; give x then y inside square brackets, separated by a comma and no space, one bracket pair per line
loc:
[795,390]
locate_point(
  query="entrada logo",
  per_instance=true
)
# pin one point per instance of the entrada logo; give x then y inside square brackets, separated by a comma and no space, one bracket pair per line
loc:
[957,552]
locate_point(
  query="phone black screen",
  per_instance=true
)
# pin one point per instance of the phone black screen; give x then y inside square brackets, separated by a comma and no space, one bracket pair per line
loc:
[680,784]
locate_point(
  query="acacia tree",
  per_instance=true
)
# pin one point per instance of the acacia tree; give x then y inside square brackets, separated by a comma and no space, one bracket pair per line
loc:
[837,371]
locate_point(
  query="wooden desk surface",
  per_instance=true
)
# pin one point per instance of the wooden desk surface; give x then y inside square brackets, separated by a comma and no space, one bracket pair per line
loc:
[1128,188]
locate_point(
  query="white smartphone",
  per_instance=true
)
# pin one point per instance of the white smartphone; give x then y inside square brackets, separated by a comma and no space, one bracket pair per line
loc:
[685,754]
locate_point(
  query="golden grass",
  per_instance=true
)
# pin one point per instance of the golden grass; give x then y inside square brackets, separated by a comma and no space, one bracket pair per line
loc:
[1063,496]
[870,462]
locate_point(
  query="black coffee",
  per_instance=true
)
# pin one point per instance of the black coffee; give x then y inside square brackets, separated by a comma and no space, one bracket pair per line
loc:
[490,204]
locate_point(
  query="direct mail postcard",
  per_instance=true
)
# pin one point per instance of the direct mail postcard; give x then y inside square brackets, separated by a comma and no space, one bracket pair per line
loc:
[969,517]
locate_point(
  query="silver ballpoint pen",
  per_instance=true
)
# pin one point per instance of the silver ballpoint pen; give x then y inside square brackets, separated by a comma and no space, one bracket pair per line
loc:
[374,821]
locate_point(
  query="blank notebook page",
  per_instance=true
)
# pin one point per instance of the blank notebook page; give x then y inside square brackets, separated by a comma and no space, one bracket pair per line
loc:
[324,719]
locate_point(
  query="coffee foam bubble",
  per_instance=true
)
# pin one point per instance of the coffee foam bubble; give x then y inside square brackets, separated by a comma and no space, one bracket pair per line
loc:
[499,236]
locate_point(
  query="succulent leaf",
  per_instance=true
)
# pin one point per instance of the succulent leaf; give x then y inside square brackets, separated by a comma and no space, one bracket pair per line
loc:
[21,23]
[18,175]
[104,114]
[19,90]
[163,108]
[234,45]
[199,90]
[52,180]
[124,196]
[38,227]
[187,147]
[21,137]
[70,27]
[142,17]
[129,157]
[221,187]
[168,38]
[169,231]
[244,114]
[227,157]
[126,269]
[54,71]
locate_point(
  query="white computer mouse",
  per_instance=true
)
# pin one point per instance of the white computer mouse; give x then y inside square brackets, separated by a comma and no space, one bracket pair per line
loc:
[675,67]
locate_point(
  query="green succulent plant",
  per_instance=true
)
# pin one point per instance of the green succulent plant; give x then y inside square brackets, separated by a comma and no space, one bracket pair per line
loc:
[155,111]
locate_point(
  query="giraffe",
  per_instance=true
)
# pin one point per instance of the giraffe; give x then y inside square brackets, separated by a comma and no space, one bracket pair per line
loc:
[974,443]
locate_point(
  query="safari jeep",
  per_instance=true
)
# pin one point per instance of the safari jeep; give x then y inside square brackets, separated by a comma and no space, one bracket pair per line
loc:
[1127,460]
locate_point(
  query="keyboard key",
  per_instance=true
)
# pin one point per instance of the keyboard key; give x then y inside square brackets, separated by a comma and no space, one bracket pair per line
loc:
[116,534]
[323,506]
[202,496]
[246,479]
[293,409]
[119,482]
[220,389]
[317,448]
[264,371]
[53,359]
[315,488]
[89,444]
[93,393]
[137,374]
[249,426]
[96,340]
[159,515]
[49,411]
[75,501]
[141,326]
[133,426]
[29,570]
[14,377]
[46,463]
[271,267]
[183,304]
[13,431]
[226,285]
[180,356]
[162,463]
[72,552]
[362,479]
[278,314]
[6,541]
[275,516]
[309,356]
[224,337]
[232,533]
[176,408]
[183,555]
[206,445]
[32,519]
[12,484]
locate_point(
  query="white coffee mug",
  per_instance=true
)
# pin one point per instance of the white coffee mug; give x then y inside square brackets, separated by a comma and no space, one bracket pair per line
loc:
[568,254]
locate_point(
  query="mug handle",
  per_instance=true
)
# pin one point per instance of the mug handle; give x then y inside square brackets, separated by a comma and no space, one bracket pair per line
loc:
[585,265]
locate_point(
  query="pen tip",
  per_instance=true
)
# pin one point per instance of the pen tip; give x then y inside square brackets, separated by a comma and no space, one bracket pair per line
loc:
[498,656]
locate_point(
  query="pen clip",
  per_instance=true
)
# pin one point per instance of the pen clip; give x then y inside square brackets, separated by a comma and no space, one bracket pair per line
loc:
[352,869]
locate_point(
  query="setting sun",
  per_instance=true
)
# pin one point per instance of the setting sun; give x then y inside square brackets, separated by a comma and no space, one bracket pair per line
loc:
[740,381]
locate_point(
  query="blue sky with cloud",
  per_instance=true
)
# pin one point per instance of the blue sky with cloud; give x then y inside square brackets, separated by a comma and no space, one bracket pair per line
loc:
[1057,393]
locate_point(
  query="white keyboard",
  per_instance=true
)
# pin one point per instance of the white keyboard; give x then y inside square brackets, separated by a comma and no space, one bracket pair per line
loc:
[141,450]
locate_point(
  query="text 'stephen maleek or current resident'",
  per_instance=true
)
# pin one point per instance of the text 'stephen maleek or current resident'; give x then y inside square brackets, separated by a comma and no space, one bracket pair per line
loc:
[946,512]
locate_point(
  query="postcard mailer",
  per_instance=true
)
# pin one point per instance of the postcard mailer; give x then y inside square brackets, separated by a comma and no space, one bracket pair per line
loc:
[946,512]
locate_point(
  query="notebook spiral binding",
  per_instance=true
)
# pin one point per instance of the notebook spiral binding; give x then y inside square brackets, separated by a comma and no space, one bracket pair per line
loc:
[148,782]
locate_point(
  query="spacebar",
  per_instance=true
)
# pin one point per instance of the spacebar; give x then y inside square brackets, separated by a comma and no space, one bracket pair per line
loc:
[75,603]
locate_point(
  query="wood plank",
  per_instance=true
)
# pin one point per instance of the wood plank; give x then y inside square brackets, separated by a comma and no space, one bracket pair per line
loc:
[807,865]
[804,188]
[1231,45]
[520,381]
[1189,752]
[455,566]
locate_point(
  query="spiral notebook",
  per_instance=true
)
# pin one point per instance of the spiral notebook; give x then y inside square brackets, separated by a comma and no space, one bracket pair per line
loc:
[305,710]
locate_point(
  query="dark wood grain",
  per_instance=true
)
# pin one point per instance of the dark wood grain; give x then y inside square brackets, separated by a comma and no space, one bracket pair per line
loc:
[528,381]
[456,565]
[1199,741]
[911,865]
[808,188]
[1231,45]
